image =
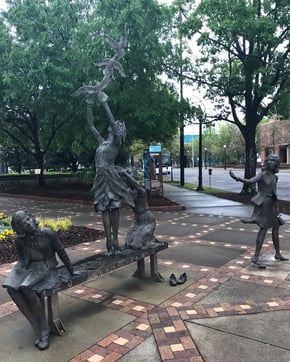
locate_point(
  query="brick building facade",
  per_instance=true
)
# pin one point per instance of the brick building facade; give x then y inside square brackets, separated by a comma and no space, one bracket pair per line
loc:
[274,137]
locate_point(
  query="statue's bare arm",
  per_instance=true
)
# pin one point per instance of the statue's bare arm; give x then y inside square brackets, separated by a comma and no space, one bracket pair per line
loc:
[90,120]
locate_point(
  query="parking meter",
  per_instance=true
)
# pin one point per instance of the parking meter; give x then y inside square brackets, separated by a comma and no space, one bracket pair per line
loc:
[209,174]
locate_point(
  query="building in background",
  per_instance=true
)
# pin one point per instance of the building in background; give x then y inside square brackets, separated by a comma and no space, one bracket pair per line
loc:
[274,137]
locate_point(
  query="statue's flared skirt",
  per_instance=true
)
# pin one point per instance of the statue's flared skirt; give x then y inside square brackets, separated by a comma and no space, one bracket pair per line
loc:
[36,277]
[111,190]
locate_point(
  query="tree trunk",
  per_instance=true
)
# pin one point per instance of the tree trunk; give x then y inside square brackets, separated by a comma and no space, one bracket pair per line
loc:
[251,159]
[41,179]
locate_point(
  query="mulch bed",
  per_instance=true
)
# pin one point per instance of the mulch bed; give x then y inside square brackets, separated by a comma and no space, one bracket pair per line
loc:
[73,236]
[77,192]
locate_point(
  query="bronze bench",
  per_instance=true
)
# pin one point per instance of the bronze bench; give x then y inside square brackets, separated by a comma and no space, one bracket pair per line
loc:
[97,265]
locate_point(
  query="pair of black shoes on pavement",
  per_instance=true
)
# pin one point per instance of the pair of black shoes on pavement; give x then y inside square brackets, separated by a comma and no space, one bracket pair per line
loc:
[181,280]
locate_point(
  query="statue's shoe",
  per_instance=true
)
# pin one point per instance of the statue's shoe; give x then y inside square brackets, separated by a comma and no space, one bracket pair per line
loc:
[182,279]
[258,264]
[43,343]
[249,220]
[281,257]
[37,341]
[43,338]
[172,280]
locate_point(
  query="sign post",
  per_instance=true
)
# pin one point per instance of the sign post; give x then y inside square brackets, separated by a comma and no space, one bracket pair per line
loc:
[153,181]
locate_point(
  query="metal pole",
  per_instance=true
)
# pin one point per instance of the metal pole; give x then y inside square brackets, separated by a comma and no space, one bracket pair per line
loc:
[181,111]
[192,149]
[225,156]
[200,187]
[182,155]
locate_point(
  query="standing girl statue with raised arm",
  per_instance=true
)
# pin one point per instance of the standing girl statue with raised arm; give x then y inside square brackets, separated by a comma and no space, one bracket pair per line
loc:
[265,213]
[111,189]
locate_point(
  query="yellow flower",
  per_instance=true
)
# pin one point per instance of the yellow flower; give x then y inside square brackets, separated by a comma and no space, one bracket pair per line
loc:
[6,233]
[2,215]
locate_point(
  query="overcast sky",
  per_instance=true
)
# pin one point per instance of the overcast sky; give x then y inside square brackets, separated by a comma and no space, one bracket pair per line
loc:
[2,4]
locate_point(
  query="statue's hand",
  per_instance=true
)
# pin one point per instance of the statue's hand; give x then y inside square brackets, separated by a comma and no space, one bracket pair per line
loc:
[102,97]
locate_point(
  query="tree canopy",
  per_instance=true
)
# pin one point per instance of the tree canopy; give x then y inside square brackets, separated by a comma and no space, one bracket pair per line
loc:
[50,52]
[242,60]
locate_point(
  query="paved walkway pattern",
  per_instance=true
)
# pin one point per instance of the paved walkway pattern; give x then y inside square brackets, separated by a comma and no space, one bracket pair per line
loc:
[226,311]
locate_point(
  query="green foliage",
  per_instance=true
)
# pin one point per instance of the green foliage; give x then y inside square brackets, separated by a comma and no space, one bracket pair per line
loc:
[231,137]
[38,75]
[51,53]
[141,100]
[86,176]
[243,60]
[4,220]
[56,224]
[5,228]
[283,104]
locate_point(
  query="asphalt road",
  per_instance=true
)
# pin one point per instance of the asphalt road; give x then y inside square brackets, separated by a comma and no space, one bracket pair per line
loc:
[220,179]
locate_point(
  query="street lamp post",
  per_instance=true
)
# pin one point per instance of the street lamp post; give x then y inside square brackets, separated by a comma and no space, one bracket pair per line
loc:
[205,158]
[225,156]
[199,186]
[182,156]
[192,149]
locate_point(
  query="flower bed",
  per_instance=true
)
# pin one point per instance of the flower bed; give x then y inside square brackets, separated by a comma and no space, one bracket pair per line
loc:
[69,235]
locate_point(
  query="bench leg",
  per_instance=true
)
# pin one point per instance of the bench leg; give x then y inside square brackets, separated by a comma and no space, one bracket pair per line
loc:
[141,268]
[140,272]
[155,275]
[54,322]
[153,265]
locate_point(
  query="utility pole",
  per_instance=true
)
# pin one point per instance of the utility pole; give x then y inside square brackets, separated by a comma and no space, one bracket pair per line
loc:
[199,186]
[182,157]
[181,132]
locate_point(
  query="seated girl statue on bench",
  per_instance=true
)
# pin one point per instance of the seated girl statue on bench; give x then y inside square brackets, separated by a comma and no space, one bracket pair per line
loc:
[35,271]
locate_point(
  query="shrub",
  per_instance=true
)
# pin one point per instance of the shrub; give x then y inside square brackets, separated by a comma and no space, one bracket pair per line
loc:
[86,176]
[6,233]
[56,224]
[5,228]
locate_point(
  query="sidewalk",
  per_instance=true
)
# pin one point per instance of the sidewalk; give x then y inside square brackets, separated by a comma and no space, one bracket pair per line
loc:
[227,311]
